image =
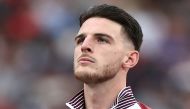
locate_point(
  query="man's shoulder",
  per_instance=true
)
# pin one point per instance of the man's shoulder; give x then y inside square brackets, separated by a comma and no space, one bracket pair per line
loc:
[139,105]
[143,106]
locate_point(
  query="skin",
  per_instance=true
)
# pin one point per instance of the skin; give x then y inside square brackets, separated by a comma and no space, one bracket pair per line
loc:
[102,58]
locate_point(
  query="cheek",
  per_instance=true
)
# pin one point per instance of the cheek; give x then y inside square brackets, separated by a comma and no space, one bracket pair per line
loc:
[112,56]
[76,54]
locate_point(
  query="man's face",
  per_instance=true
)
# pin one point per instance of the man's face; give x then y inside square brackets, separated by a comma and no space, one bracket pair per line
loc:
[99,50]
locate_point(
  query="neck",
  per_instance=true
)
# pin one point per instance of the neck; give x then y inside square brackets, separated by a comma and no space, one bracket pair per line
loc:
[102,95]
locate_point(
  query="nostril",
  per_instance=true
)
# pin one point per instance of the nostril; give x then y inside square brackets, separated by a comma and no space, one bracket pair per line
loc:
[89,49]
[86,49]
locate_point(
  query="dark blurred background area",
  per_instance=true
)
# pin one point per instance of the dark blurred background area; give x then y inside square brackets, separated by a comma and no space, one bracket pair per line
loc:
[37,43]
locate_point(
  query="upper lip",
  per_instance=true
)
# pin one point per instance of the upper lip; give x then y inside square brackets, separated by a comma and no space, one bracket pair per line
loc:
[86,58]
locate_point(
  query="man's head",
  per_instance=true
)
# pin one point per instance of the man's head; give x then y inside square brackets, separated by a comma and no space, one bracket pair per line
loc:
[129,24]
[107,44]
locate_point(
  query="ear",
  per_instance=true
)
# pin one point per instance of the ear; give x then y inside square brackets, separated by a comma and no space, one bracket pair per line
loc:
[131,59]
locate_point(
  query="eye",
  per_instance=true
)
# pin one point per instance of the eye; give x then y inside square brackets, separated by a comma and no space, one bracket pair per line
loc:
[102,40]
[79,40]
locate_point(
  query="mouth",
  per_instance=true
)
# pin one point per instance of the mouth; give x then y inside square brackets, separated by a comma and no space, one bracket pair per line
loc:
[86,60]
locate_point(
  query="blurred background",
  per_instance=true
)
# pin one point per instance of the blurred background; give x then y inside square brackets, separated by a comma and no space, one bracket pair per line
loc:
[36,52]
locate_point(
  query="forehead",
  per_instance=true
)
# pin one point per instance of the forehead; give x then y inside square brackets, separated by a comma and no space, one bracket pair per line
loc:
[101,25]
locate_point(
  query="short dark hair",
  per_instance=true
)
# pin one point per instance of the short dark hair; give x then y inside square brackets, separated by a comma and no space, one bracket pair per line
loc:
[130,25]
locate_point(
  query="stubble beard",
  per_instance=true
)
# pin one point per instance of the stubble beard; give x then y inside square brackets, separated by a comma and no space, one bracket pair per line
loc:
[98,75]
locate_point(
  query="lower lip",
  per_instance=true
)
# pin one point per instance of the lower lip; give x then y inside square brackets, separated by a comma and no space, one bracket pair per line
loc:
[84,62]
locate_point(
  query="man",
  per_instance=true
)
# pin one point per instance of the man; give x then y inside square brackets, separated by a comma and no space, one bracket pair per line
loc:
[107,46]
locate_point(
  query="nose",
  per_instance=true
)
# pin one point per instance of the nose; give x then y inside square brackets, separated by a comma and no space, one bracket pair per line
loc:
[86,45]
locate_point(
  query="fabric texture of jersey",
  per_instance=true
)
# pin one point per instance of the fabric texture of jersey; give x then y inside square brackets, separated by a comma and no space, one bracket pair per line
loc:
[124,100]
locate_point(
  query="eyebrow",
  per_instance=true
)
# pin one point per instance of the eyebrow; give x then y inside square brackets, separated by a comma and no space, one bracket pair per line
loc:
[103,35]
[79,36]
[96,35]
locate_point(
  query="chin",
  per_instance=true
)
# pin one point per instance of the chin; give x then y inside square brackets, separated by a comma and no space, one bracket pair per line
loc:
[92,77]
[85,75]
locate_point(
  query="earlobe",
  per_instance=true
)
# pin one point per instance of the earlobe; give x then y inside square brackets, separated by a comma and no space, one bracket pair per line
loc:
[131,59]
